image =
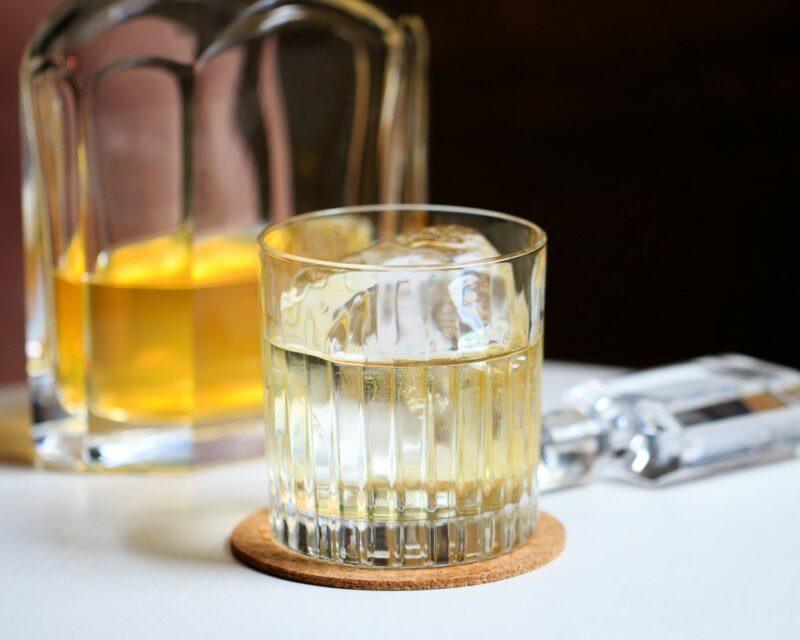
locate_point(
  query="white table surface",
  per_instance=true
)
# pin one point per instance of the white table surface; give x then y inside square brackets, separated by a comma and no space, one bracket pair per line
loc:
[125,556]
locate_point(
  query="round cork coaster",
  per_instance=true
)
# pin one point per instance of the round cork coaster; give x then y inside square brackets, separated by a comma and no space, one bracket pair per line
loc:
[252,545]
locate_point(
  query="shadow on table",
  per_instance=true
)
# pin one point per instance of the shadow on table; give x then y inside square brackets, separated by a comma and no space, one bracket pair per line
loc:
[190,516]
[200,535]
[170,516]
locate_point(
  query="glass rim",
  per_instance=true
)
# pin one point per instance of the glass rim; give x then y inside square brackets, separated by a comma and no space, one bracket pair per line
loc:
[539,238]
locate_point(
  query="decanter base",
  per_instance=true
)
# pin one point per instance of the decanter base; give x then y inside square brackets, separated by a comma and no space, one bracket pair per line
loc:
[65,444]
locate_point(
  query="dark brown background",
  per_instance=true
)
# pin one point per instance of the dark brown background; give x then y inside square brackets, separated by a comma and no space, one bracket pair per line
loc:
[655,142]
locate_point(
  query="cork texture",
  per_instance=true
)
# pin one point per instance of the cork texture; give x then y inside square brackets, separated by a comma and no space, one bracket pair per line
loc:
[252,545]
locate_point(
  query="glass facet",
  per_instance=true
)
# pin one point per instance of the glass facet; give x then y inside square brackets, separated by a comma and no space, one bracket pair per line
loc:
[159,136]
[402,353]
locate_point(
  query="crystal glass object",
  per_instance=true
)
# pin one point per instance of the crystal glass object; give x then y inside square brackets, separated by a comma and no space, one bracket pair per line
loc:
[402,354]
[673,423]
[159,135]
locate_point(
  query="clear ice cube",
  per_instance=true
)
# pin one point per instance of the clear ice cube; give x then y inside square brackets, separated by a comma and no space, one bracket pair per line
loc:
[414,314]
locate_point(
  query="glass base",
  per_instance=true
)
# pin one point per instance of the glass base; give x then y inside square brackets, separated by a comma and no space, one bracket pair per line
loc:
[412,543]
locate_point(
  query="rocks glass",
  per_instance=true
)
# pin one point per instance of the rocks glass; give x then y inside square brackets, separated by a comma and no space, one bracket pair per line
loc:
[402,354]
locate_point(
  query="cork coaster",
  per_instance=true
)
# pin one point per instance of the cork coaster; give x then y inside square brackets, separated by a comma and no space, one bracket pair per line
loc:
[252,545]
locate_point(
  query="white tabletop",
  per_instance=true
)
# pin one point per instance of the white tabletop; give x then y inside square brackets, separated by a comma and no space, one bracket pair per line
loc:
[128,556]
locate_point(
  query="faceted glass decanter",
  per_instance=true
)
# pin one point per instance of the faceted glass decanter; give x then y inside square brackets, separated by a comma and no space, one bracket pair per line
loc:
[159,136]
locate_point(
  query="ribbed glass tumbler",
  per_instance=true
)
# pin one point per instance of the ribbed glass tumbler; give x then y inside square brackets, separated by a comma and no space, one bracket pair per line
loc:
[402,355]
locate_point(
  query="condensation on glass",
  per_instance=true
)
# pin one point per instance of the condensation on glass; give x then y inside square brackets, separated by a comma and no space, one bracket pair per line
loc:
[158,136]
[402,368]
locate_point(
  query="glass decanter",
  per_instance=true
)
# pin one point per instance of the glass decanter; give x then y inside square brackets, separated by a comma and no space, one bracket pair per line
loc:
[673,423]
[159,136]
